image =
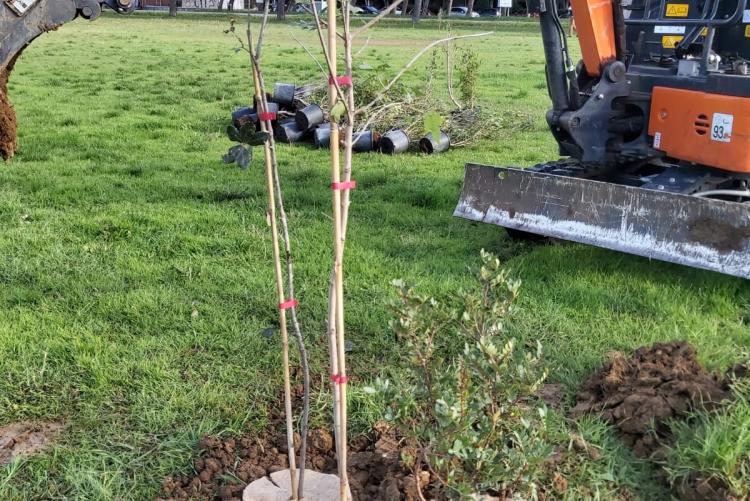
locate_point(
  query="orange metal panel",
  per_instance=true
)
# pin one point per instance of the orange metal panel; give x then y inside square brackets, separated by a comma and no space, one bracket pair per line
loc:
[708,129]
[596,32]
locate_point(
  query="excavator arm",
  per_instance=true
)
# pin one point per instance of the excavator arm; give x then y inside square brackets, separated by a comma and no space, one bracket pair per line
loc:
[21,22]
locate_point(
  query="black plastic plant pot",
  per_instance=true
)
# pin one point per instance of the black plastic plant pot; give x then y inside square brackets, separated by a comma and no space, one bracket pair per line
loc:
[241,116]
[309,116]
[289,132]
[396,141]
[429,146]
[283,93]
[322,136]
[364,141]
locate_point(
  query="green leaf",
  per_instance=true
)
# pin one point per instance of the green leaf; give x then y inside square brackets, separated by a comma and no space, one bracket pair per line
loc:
[247,132]
[244,157]
[432,123]
[338,111]
[233,134]
[240,155]
[258,138]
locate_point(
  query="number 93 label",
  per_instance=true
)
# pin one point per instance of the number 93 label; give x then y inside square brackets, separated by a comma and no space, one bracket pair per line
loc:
[721,128]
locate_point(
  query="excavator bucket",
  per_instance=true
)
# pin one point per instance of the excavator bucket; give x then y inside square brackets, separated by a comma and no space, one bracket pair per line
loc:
[698,232]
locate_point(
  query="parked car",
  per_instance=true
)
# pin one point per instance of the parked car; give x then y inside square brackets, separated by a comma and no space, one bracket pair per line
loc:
[369,10]
[463,12]
[489,13]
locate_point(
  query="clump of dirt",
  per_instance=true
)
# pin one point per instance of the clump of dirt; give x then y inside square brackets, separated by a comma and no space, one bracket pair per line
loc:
[226,466]
[639,394]
[8,133]
[26,438]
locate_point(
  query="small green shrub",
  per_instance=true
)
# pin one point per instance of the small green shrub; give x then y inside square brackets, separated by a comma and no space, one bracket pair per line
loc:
[473,414]
[468,74]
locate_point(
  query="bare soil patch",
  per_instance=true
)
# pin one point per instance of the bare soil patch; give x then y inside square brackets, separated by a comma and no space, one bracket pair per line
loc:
[226,466]
[26,438]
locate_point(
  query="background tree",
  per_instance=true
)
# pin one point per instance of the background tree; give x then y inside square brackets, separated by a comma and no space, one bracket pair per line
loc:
[416,12]
[172,8]
[280,9]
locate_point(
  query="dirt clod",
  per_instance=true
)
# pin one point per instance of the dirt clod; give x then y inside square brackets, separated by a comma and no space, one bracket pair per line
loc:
[7,119]
[639,394]
[26,438]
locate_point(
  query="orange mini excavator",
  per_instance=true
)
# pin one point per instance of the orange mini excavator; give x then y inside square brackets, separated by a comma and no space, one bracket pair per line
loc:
[654,129]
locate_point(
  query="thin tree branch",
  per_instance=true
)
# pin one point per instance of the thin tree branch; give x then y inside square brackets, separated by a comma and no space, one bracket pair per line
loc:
[312,56]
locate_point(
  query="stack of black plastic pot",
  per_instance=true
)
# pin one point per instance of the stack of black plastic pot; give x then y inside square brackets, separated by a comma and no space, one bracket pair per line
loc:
[309,121]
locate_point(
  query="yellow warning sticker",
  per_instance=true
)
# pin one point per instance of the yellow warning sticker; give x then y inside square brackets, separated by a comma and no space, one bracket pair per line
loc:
[704,32]
[670,42]
[747,31]
[678,9]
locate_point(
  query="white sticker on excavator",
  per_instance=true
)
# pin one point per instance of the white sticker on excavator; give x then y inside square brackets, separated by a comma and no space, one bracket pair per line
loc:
[657,140]
[721,128]
[669,30]
[20,6]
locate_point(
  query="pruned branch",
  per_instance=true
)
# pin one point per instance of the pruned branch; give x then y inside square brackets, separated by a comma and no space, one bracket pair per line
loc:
[411,63]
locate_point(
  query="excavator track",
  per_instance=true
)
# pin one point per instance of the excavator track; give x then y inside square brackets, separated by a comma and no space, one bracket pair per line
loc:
[559,200]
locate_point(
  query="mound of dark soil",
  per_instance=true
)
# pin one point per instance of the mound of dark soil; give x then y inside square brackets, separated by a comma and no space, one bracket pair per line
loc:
[226,466]
[641,393]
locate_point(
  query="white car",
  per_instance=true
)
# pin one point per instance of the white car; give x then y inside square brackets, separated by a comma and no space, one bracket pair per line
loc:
[463,12]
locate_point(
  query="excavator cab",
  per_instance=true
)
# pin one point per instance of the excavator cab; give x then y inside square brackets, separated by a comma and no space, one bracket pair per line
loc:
[653,125]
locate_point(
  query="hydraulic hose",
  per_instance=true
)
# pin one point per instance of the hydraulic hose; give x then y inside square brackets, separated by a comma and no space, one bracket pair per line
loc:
[557,81]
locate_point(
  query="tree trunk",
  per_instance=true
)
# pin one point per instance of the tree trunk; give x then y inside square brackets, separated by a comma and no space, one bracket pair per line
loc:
[416,12]
[281,9]
[447,6]
[470,7]
[425,8]
[173,8]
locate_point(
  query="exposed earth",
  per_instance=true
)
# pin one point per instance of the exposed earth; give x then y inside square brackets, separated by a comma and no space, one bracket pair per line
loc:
[26,438]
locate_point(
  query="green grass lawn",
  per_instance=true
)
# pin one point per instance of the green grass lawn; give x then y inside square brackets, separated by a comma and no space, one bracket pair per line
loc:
[118,221]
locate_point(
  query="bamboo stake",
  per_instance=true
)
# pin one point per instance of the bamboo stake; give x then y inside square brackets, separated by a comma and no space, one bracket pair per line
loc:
[337,331]
[265,127]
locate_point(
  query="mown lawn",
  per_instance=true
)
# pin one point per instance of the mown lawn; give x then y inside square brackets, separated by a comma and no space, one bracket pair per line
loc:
[118,223]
